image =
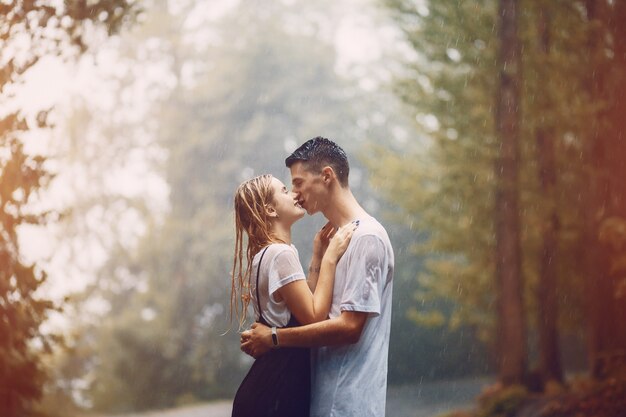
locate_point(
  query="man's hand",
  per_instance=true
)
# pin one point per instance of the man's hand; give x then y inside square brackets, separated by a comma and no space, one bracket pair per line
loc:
[257,341]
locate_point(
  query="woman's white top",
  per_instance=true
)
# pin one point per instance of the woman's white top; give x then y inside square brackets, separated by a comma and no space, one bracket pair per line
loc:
[280,266]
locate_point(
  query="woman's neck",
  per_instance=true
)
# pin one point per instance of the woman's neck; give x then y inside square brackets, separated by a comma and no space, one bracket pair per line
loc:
[282,232]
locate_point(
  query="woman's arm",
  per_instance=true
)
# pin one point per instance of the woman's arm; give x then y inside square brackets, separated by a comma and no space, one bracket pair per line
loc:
[313,307]
[320,244]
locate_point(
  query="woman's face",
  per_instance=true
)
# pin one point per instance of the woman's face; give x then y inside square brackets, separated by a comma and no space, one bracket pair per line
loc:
[285,203]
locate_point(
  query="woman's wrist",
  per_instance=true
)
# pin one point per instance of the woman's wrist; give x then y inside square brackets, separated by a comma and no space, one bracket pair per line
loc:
[329,260]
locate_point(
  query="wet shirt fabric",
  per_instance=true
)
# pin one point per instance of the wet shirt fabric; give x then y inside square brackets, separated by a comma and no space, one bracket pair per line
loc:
[278,384]
[280,267]
[351,380]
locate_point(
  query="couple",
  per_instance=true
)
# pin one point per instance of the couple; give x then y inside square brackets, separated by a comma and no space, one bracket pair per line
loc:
[342,309]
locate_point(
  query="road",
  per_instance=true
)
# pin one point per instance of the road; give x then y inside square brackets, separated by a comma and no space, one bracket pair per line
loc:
[426,399]
[214,409]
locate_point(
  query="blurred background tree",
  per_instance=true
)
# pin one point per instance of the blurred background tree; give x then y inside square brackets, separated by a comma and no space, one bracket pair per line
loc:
[216,135]
[233,112]
[199,95]
[30,31]
[565,185]
[242,91]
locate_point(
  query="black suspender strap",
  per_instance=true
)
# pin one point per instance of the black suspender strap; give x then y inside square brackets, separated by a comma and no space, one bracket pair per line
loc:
[258,300]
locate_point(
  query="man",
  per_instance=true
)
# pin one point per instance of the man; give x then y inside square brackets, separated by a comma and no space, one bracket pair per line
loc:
[349,368]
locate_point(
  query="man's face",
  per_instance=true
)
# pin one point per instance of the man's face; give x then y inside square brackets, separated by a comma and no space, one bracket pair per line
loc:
[308,187]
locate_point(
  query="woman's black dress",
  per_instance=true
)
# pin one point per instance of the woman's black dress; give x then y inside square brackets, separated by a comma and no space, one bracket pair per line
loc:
[279,382]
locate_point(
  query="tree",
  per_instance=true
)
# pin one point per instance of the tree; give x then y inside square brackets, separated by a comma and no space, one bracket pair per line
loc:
[511,347]
[454,194]
[29,31]
[549,351]
[246,104]
[603,150]
[22,310]
[443,179]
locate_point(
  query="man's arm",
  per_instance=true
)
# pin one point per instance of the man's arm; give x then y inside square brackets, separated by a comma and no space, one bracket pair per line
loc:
[343,330]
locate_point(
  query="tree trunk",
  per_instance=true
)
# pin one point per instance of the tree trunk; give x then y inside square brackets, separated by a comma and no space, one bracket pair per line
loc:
[618,175]
[549,351]
[511,348]
[613,355]
[604,198]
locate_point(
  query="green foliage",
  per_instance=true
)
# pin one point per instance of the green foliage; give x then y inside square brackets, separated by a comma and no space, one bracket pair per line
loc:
[445,180]
[426,350]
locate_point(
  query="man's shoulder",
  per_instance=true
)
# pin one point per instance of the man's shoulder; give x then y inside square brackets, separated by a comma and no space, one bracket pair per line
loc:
[371,229]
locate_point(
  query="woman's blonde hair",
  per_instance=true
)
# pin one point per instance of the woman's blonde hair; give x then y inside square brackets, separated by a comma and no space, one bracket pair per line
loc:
[251,198]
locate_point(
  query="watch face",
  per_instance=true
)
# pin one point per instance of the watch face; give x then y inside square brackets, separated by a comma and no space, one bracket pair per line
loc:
[274,336]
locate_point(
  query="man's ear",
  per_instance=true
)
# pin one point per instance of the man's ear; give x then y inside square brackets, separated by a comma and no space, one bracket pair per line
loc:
[328,174]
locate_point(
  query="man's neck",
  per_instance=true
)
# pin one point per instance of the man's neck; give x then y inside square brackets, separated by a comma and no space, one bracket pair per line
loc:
[343,208]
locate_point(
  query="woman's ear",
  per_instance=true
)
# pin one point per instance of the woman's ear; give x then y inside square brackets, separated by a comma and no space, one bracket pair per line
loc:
[270,211]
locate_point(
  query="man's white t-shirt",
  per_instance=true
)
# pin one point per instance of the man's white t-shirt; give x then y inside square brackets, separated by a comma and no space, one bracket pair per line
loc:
[351,380]
[280,266]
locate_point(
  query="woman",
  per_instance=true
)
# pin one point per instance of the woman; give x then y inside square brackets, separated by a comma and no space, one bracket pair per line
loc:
[272,280]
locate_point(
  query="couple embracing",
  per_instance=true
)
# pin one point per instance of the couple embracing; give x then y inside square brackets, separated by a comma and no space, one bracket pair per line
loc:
[321,339]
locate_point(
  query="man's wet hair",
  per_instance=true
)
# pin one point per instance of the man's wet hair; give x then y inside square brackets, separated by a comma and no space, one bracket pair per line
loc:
[320,152]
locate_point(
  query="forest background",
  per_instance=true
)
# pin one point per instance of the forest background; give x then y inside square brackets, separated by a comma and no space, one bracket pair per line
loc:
[486,136]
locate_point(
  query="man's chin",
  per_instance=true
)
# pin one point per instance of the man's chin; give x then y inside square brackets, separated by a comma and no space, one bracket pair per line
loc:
[310,211]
